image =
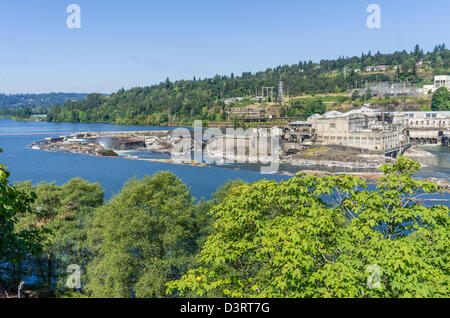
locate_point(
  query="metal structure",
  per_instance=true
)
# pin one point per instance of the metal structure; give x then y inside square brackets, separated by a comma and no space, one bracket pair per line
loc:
[269,90]
[280,97]
[380,89]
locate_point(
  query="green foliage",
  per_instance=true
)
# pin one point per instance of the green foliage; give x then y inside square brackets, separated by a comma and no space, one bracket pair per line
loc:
[37,100]
[144,237]
[268,240]
[224,190]
[308,236]
[441,100]
[306,107]
[75,227]
[409,64]
[64,212]
[15,244]
[393,231]
[283,240]
[315,107]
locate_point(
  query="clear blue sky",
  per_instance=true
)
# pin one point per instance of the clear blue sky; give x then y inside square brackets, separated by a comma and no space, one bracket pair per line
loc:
[141,42]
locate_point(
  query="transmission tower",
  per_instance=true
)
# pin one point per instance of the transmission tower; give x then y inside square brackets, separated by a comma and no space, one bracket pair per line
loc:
[280,93]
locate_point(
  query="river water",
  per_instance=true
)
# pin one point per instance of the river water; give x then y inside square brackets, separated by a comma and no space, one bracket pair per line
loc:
[37,166]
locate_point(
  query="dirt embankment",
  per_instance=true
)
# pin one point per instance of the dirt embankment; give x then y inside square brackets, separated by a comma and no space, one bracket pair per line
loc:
[416,152]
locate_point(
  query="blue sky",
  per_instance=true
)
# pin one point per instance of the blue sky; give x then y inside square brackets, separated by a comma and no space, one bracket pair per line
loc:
[141,42]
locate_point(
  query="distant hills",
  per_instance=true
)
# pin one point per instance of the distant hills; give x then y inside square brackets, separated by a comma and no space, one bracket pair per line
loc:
[183,101]
[186,100]
[38,100]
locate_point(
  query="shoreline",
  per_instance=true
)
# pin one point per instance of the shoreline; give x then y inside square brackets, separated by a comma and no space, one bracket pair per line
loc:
[123,145]
[166,125]
[369,176]
[417,152]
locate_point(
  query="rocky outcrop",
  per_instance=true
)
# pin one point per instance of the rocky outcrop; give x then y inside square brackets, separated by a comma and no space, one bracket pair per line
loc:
[416,152]
[444,184]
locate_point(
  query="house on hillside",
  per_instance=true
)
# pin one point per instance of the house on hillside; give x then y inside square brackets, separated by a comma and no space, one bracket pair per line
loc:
[233,100]
[378,68]
[439,81]
[249,113]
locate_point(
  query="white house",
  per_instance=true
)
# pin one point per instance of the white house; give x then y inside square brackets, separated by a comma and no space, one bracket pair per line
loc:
[439,81]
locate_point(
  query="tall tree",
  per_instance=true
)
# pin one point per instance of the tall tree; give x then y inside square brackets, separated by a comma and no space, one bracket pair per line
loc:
[144,237]
[326,237]
[269,239]
[441,100]
[65,212]
[15,244]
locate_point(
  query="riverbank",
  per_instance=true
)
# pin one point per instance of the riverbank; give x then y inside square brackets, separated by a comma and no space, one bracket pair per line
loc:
[206,124]
[182,146]
[331,157]
[369,177]
[181,149]
[416,152]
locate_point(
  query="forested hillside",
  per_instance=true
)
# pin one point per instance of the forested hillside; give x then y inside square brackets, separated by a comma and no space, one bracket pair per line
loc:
[37,100]
[186,100]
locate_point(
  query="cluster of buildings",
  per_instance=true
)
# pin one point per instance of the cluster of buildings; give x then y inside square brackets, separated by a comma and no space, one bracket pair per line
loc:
[255,113]
[384,68]
[377,68]
[239,99]
[368,130]
[233,100]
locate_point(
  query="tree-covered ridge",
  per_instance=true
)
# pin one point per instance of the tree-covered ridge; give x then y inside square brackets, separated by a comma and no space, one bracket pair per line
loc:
[186,100]
[38,100]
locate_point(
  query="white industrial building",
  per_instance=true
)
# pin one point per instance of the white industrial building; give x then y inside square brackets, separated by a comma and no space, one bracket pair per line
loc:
[439,81]
[375,130]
